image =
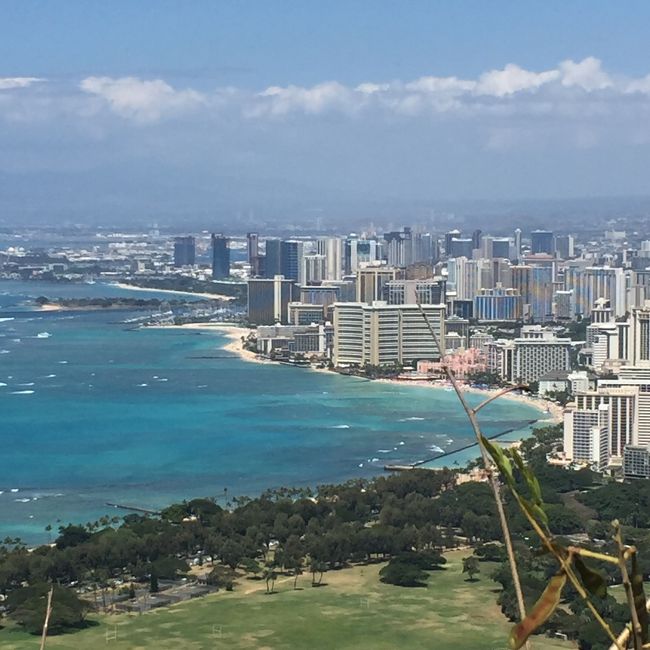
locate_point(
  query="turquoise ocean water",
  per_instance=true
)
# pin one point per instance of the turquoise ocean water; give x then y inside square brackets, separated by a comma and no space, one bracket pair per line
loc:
[92,412]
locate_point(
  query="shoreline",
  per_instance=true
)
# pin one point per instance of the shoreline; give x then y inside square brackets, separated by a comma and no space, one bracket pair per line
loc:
[207,296]
[550,409]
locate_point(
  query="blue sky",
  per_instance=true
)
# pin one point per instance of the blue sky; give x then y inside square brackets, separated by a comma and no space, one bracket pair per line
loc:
[193,107]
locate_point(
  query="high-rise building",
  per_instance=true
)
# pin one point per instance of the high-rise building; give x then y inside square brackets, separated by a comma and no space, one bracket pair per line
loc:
[399,247]
[291,260]
[541,297]
[517,244]
[268,300]
[411,292]
[476,239]
[452,234]
[622,412]
[220,256]
[253,252]
[273,258]
[461,247]
[564,247]
[359,253]
[594,282]
[500,248]
[536,352]
[184,251]
[640,336]
[382,334]
[498,304]
[314,271]
[542,241]
[371,281]
[586,435]
[332,249]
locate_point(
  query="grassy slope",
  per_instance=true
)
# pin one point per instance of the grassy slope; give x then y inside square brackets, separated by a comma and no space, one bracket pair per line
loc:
[353,611]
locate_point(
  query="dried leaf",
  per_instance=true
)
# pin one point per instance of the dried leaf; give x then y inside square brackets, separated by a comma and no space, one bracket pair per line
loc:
[540,613]
[593,580]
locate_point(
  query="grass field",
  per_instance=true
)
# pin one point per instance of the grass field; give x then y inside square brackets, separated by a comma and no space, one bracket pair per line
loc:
[354,610]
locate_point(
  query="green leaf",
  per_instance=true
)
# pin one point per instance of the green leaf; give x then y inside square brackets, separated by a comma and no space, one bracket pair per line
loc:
[639,598]
[529,477]
[593,580]
[533,510]
[540,613]
[500,459]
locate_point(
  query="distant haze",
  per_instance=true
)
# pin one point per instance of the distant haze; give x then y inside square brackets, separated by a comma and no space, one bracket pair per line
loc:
[275,113]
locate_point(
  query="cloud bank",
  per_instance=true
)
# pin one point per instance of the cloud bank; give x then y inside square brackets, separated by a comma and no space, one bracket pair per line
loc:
[569,89]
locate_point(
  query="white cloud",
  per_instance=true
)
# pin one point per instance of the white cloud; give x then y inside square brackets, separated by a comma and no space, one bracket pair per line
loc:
[586,74]
[277,100]
[512,79]
[141,100]
[9,83]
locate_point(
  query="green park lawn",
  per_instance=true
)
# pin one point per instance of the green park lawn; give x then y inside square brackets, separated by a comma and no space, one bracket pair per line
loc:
[353,610]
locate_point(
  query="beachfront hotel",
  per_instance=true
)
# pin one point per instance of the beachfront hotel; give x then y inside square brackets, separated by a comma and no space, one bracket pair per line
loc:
[382,334]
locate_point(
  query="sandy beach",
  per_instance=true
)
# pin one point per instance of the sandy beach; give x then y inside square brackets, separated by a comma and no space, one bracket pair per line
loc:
[208,296]
[235,334]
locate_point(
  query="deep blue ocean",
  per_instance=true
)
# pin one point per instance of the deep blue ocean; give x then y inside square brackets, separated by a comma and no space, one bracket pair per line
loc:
[93,411]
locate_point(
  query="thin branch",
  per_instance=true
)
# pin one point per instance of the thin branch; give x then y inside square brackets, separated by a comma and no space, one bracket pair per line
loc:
[585,552]
[48,611]
[627,585]
[494,483]
[502,392]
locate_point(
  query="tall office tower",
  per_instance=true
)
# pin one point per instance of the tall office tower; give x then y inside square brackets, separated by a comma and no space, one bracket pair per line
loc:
[517,243]
[291,254]
[542,241]
[358,252]
[382,334]
[184,251]
[268,300]
[541,299]
[371,281]
[220,256]
[399,245]
[314,269]
[594,282]
[424,248]
[410,292]
[476,239]
[522,281]
[461,247]
[273,258]
[332,249]
[500,248]
[497,304]
[253,250]
[564,247]
[452,234]
[640,336]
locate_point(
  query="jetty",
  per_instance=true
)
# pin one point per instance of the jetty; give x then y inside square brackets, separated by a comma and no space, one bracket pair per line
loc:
[403,467]
[121,506]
